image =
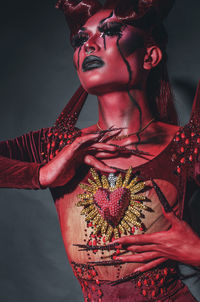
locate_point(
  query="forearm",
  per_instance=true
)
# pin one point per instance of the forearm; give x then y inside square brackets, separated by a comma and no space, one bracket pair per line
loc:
[19,175]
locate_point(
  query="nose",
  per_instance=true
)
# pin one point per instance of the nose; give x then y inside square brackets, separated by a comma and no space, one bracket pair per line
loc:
[91,45]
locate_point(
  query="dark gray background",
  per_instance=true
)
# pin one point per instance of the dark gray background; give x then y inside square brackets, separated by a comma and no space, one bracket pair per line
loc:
[37,79]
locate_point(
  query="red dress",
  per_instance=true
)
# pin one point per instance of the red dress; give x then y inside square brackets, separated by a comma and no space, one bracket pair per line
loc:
[178,165]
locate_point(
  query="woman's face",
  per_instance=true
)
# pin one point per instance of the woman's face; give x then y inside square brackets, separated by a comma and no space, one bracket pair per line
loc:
[108,55]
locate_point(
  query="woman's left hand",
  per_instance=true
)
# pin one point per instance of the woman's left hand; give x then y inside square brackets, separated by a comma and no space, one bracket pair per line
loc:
[179,243]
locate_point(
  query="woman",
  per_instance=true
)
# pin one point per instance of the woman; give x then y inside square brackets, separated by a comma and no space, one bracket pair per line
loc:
[120,57]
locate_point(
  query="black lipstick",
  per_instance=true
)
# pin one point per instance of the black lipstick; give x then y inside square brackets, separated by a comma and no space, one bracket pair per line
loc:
[92,62]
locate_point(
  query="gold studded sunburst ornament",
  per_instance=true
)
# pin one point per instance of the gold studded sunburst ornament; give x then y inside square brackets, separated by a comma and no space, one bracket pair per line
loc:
[113,205]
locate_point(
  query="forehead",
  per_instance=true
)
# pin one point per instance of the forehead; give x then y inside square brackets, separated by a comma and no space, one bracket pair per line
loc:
[101,16]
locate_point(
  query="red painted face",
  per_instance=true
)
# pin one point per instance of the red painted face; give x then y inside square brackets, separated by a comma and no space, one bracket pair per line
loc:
[109,55]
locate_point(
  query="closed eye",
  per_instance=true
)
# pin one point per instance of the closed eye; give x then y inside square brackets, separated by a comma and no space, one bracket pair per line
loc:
[111,28]
[79,39]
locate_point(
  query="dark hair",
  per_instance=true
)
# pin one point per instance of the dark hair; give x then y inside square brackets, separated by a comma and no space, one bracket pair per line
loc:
[148,16]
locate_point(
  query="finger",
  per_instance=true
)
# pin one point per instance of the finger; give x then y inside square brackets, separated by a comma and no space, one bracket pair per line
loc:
[141,239]
[150,265]
[143,257]
[106,155]
[103,146]
[86,139]
[143,248]
[93,162]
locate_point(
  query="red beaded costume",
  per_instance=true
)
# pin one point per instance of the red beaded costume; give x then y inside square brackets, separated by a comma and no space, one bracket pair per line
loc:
[94,207]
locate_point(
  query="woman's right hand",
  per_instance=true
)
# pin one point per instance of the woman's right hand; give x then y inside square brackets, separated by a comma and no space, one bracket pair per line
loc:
[87,149]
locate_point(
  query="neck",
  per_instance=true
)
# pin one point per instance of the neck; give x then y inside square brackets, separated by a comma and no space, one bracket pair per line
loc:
[124,109]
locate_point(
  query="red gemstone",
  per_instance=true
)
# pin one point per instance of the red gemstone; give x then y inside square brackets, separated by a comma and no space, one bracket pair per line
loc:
[144,292]
[90,243]
[157,276]
[51,156]
[182,135]
[165,271]
[139,284]
[97,281]
[104,239]
[182,150]
[153,293]
[145,282]
[94,242]
[48,146]
[56,134]
[187,141]
[161,291]
[196,151]
[190,158]
[182,160]
[198,140]
[93,288]
[50,134]
[117,251]
[57,151]
[133,230]
[100,300]
[178,170]
[162,281]
[177,139]
[100,293]
[61,142]
[192,134]
[79,270]
[60,136]
[93,273]
[152,282]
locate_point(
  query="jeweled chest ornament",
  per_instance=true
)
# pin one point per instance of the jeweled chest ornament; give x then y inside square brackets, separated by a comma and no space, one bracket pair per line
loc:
[113,205]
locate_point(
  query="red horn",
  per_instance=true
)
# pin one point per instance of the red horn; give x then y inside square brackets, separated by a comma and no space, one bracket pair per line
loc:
[78,12]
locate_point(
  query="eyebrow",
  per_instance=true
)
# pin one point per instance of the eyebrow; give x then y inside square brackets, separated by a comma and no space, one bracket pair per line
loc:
[100,23]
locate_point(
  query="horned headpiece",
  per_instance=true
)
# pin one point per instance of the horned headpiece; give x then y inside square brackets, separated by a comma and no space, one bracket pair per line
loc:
[142,13]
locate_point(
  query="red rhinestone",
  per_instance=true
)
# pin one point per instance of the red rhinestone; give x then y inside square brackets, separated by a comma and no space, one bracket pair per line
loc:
[139,284]
[178,170]
[100,293]
[198,140]
[85,282]
[162,281]
[192,134]
[165,271]
[60,136]
[83,288]
[145,282]
[196,151]
[93,236]
[177,139]
[118,251]
[182,135]
[50,134]
[56,134]
[141,229]
[182,149]
[187,141]
[133,230]
[157,276]
[153,293]
[114,257]
[89,277]
[57,151]
[79,270]
[104,239]
[89,296]
[90,224]
[161,291]
[190,158]
[90,243]
[94,242]
[48,146]
[100,300]
[152,282]
[68,142]
[97,281]
[61,142]
[182,160]
[65,135]
[69,135]
[144,292]
[93,288]
[51,156]
[93,273]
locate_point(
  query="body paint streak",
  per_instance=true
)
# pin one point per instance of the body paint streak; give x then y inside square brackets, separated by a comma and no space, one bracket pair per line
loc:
[101,22]
[79,56]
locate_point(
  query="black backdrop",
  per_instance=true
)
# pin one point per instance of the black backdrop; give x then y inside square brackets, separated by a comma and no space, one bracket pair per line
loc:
[37,79]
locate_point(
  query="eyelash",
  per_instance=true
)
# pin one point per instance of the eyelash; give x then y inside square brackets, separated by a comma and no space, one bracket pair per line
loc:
[110,29]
